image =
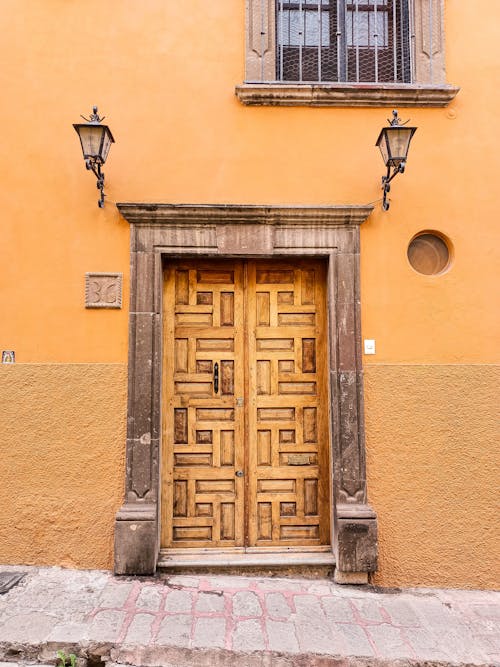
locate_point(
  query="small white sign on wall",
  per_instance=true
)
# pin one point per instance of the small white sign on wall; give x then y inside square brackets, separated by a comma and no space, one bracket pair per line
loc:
[369,346]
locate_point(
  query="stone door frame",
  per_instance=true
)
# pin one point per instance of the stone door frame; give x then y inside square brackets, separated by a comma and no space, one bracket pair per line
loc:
[160,231]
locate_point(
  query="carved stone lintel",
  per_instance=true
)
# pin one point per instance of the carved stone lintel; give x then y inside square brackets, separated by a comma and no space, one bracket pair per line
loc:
[241,239]
[136,547]
[356,539]
[168,215]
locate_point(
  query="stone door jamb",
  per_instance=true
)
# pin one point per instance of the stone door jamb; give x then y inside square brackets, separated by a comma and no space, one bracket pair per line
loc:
[162,230]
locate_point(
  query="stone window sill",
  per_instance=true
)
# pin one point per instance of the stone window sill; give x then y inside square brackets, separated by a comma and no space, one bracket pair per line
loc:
[345,94]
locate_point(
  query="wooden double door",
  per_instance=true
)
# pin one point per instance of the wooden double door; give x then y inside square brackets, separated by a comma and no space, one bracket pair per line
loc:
[245,457]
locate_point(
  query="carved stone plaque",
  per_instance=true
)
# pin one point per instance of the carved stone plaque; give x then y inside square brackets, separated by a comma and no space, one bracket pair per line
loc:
[103,290]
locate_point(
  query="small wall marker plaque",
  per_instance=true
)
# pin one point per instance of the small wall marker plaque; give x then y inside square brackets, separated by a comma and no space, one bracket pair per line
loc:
[103,290]
[8,357]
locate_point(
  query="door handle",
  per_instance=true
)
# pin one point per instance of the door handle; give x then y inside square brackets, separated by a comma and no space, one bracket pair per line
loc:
[216,378]
[239,473]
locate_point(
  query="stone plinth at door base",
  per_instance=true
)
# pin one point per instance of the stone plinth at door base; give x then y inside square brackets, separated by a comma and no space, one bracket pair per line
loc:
[136,548]
[351,578]
[356,543]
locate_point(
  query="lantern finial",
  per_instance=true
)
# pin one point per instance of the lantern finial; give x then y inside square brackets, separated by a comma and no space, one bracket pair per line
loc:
[94,117]
[395,122]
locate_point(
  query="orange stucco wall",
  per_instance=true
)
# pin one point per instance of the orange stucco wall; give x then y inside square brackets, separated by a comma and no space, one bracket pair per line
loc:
[164,77]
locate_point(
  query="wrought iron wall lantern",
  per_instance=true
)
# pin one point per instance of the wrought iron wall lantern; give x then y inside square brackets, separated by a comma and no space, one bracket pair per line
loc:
[394,142]
[96,140]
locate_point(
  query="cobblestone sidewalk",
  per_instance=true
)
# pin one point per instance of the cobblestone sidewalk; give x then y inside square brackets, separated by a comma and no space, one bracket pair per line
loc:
[220,620]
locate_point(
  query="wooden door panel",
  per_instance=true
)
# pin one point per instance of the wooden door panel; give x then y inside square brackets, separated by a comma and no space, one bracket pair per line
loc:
[203,431]
[287,413]
[264,324]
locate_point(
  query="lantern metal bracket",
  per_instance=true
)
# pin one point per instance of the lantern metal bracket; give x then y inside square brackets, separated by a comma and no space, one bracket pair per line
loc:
[95,167]
[386,180]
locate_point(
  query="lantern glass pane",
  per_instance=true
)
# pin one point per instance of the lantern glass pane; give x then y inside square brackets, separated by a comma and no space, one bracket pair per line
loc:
[382,144]
[91,136]
[399,142]
[106,144]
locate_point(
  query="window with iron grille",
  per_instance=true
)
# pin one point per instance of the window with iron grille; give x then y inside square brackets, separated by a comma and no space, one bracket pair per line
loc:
[345,53]
[343,41]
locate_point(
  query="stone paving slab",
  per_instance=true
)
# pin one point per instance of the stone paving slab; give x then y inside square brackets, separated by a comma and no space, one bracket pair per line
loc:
[242,621]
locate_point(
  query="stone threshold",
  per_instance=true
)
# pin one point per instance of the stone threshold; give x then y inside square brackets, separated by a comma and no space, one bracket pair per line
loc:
[250,557]
[345,94]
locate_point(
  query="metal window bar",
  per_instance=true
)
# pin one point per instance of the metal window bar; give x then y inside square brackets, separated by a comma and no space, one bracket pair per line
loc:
[280,39]
[355,22]
[411,40]
[320,37]
[341,40]
[338,43]
[394,44]
[301,38]
[363,40]
[262,39]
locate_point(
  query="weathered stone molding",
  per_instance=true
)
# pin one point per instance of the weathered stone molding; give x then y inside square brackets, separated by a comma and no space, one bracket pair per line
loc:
[162,230]
[246,214]
[346,94]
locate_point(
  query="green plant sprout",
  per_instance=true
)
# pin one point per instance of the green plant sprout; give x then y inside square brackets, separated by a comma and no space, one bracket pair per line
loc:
[67,659]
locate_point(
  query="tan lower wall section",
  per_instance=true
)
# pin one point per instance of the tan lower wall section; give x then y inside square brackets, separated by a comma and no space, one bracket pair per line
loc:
[61,462]
[433,468]
[433,472]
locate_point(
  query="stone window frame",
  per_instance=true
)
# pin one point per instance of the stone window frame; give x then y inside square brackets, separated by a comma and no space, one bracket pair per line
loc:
[261,88]
[163,231]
